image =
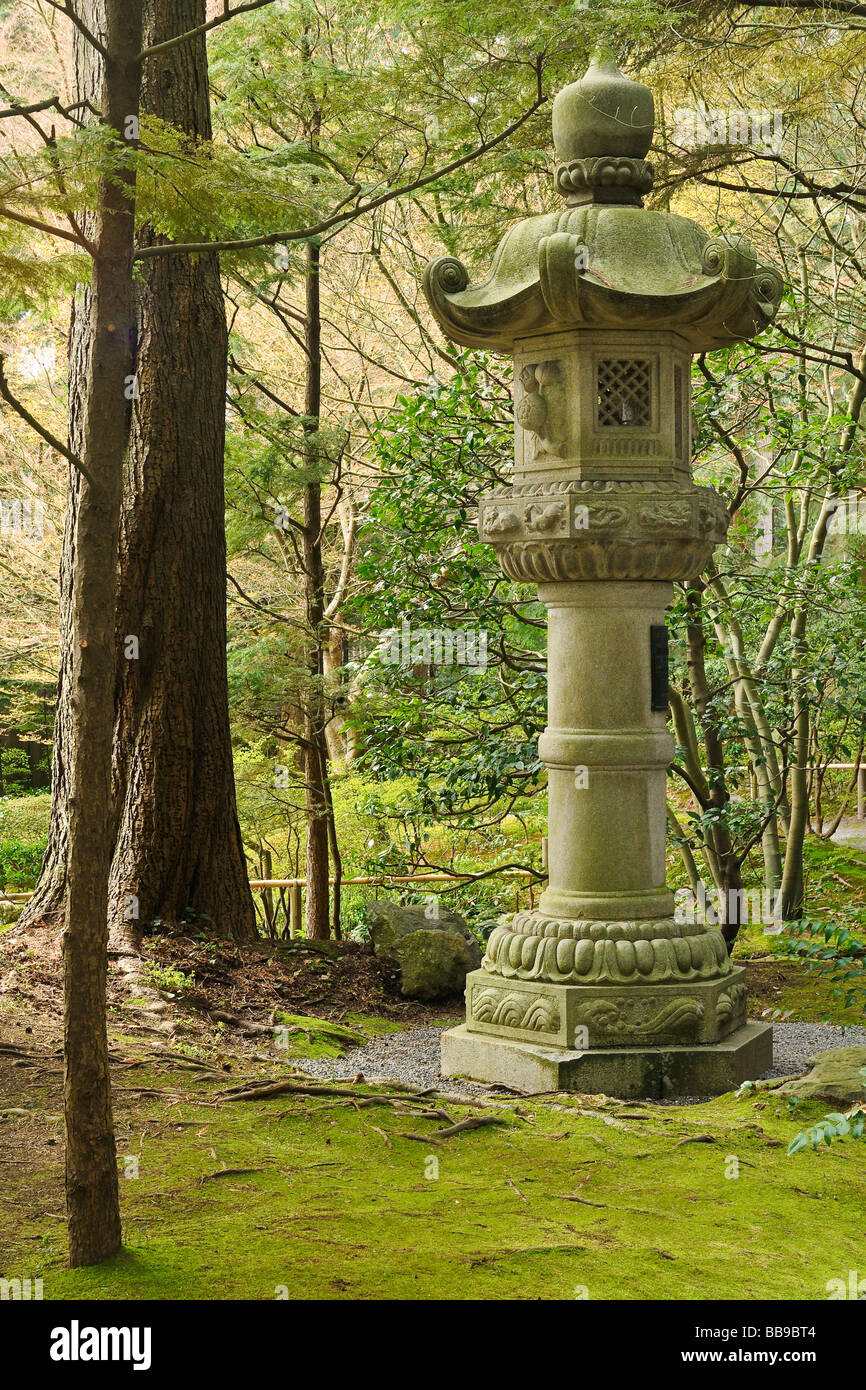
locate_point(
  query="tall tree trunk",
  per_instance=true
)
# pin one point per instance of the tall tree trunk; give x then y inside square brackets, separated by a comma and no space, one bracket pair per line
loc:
[792,877]
[177,853]
[102,426]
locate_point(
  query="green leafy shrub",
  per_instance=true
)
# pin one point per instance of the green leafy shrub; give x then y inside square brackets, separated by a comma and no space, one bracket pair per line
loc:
[831,951]
[169,978]
[833,1126]
[25,817]
[15,772]
[20,862]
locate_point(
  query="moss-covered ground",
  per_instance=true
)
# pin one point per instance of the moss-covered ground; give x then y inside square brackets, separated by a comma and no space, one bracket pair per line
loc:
[327,1196]
[354,1193]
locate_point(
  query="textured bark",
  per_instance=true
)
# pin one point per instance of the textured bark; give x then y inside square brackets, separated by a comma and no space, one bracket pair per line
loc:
[101,425]
[177,852]
[178,840]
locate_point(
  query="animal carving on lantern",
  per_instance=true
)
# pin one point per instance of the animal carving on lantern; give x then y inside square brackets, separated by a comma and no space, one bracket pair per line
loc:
[534,408]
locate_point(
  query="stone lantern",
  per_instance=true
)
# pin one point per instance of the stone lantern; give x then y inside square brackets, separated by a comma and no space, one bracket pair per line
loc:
[602,305]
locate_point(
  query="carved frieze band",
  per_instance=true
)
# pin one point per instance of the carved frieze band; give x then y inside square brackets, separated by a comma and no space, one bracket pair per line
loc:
[604,1018]
[603,171]
[732,1003]
[623,1020]
[531,1012]
[581,513]
[563,951]
[611,531]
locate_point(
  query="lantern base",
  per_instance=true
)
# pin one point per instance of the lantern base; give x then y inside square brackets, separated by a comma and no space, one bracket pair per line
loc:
[660,1073]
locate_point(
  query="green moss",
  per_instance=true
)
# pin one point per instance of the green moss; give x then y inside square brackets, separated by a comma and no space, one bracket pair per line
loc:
[813,1000]
[314,1037]
[567,1196]
[371,1026]
[318,1037]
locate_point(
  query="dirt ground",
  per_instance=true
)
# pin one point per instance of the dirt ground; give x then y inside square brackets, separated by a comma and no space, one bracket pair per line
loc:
[181,998]
[185,985]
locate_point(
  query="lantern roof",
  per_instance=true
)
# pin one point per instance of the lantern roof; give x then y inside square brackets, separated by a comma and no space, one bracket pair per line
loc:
[605,261]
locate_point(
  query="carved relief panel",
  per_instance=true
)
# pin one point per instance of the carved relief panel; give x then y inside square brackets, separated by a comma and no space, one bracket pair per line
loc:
[540,412]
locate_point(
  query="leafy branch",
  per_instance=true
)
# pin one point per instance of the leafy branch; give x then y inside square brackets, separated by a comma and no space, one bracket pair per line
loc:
[835,1125]
[343,215]
[227,14]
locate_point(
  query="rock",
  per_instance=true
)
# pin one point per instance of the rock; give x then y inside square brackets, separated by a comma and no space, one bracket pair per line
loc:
[389,921]
[835,1075]
[435,953]
[434,964]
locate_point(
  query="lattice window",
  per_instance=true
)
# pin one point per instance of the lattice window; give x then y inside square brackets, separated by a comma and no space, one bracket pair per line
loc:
[624,393]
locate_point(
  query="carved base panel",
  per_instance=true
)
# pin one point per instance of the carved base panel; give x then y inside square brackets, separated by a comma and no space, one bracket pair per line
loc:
[658,1072]
[584,1017]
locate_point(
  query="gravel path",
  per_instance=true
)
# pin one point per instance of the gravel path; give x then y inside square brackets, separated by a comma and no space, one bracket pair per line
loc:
[794,1044]
[412,1056]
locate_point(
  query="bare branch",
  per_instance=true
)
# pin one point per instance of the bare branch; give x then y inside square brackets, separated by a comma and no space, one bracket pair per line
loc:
[43,227]
[50,439]
[66,8]
[842,7]
[226,15]
[50,104]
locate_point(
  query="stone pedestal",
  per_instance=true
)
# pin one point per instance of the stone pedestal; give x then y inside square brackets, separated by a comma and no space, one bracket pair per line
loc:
[660,1073]
[602,306]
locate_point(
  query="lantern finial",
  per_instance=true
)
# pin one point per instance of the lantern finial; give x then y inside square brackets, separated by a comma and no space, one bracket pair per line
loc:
[602,128]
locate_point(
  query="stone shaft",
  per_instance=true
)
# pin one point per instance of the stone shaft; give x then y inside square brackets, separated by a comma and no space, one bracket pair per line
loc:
[607,753]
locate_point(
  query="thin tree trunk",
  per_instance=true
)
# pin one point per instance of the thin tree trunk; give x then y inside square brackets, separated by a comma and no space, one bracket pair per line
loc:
[729,875]
[792,875]
[758,737]
[336,856]
[314,744]
[93,1205]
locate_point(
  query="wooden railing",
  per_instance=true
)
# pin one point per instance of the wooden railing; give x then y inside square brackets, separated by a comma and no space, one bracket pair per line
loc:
[283,914]
[288,911]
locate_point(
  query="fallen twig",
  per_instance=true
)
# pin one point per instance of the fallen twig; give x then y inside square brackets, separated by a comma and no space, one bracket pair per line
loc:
[229,1173]
[471,1122]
